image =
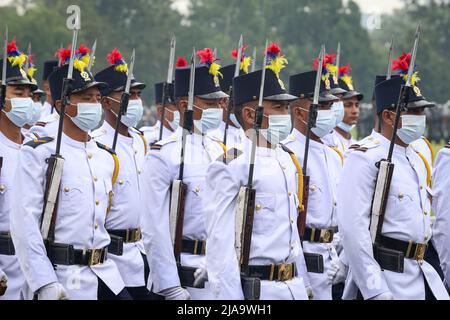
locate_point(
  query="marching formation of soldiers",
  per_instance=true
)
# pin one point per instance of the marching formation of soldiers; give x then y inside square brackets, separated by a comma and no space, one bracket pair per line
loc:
[245,188]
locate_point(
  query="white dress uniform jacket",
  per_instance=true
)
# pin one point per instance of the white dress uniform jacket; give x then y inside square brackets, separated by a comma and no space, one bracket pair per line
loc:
[324,169]
[9,151]
[275,238]
[46,110]
[407,218]
[81,215]
[126,209]
[161,167]
[151,134]
[441,208]
[336,140]
[235,136]
[47,127]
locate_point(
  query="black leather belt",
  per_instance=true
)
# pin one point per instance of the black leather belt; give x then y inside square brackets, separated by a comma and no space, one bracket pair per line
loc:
[273,272]
[65,254]
[128,235]
[391,253]
[6,244]
[193,246]
[410,250]
[320,235]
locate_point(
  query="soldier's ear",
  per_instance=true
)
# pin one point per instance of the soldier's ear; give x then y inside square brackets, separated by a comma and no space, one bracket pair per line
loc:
[248,116]
[58,106]
[388,117]
[106,103]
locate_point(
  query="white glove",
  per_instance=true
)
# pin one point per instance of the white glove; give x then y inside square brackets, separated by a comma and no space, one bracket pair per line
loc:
[3,282]
[201,276]
[175,293]
[53,291]
[383,296]
[337,272]
[309,292]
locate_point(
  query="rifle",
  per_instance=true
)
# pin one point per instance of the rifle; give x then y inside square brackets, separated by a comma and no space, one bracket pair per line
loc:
[230,100]
[179,190]
[56,161]
[124,100]
[253,60]
[5,65]
[167,86]
[386,166]
[245,205]
[312,116]
[338,59]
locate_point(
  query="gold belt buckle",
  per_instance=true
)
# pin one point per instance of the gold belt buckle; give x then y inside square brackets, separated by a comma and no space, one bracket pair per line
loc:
[325,236]
[96,256]
[137,234]
[285,272]
[419,254]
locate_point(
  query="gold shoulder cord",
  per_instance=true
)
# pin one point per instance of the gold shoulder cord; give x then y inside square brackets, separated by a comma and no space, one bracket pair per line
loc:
[300,181]
[339,153]
[433,154]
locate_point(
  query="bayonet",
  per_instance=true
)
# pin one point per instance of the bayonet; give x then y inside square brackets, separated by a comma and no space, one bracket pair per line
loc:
[92,56]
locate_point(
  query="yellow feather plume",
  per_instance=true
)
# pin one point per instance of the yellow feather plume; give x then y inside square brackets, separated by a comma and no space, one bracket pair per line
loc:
[31,72]
[80,65]
[122,68]
[414,78]
[277,64]
[331,68]
[214,70]
[245,64]
[348,81]
[18,60]
[86,59]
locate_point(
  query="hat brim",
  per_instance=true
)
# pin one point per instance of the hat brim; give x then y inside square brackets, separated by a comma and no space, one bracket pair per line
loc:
[38,91]
[138,85]
[22,82]
[281,97]
[100,85]
[420,104]
[338,91]
[327,97]
[352,94]
[214,95]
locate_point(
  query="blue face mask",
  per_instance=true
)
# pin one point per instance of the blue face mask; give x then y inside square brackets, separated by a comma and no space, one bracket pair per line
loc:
[338,111]
[210,120]
[88,116]
[279,128]
[176,119]
[324,124]
[346,127]
[135,110]
[21,111]
[413,127]
[37,108]
[234,121]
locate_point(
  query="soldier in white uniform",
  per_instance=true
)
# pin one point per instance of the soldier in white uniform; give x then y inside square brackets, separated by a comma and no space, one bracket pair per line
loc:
[15,113]
[394,268]
[441,227]
[171,116]
[48,107]
[72,263]
[124,217]
[275,254]
[162,167]
[325,165]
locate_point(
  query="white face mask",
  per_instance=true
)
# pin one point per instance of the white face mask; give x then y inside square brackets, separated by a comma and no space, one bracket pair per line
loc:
[324,124]
[176,119]
[135,110]
[88,116]
[210,120]
[338,111]
[234,121]
[37,108]
[346,127]
[413,127]
[279,128]
[21,111]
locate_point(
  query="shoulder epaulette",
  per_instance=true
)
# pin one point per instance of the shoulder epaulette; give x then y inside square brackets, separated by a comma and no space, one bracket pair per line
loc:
[354,146]
[98,133]
[286,149]
[155,146]
[104,147]
[37,142]
[362,149]
[41,124]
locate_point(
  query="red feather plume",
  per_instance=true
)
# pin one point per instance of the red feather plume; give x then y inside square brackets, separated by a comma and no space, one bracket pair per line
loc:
[12,46]
[273,48]
[64,54]
[114,56]
[234,52]
[181,62]
[345,70]
[328,59]
[83,50]
[30,59]
[402,62]
[205,55]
